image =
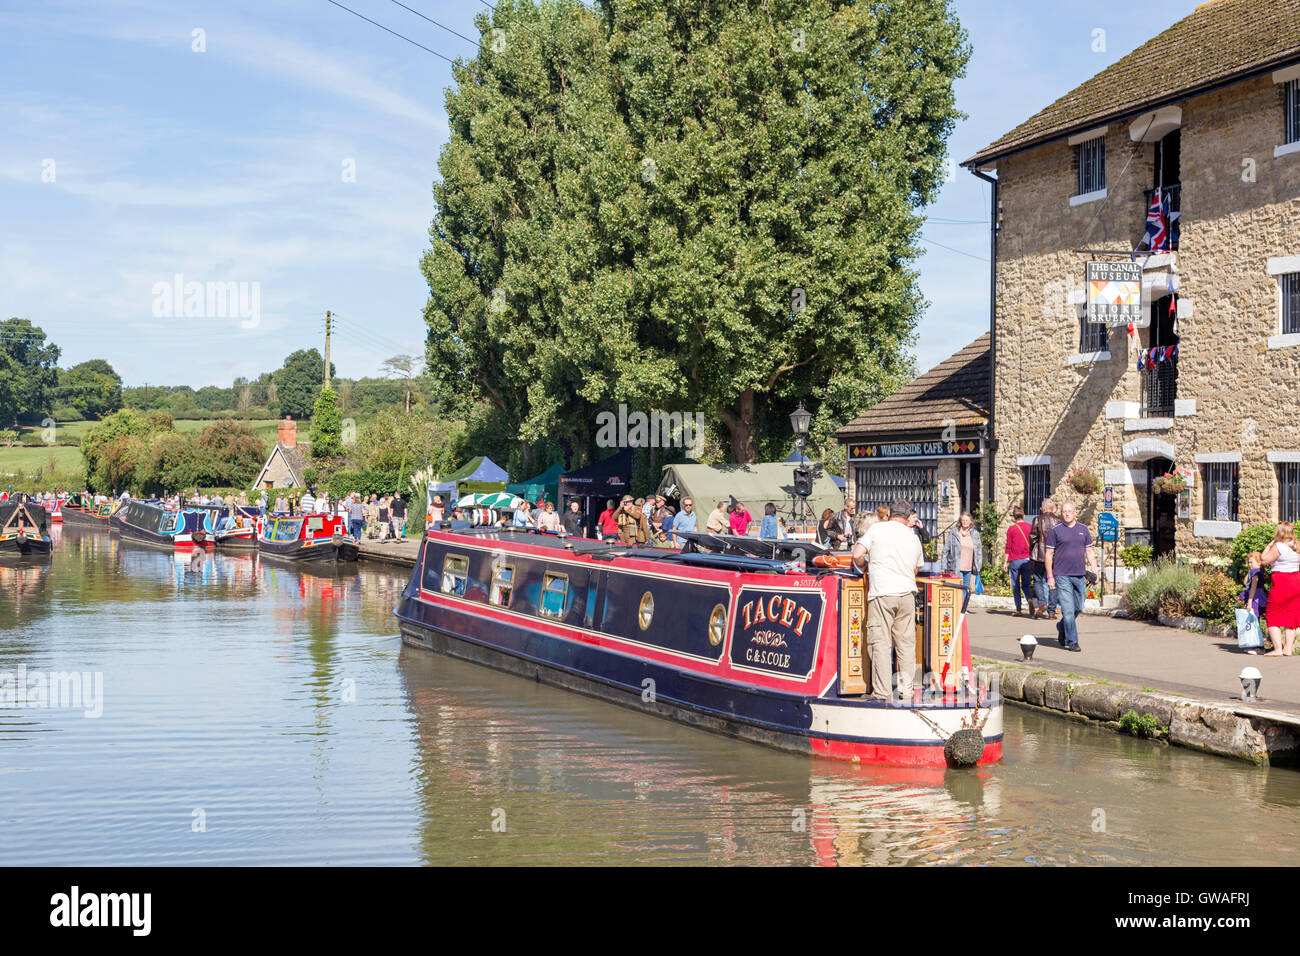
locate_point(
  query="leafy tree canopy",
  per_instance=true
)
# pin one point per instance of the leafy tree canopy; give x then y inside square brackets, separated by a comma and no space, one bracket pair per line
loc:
[687,206]
[326,426]
[93,388]
[299,381]
[28,371]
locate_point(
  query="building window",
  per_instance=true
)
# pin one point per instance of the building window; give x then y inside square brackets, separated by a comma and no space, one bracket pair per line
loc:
[1288,483]
[877,485]
[1293,111]
[1093,336]
[1220,480]
[1038,485]
[1092,165]
[1289,284]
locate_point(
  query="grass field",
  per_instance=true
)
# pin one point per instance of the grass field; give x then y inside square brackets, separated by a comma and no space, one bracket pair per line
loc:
[26,459]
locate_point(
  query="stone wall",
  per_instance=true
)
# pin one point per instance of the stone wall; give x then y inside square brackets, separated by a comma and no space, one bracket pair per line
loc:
[1046,405]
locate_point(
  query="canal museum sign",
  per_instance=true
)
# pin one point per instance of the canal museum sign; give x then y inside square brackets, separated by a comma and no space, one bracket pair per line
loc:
[920,448]
[1114,292]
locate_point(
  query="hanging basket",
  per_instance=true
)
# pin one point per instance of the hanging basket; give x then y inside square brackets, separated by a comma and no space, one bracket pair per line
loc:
[1169,485]
[1085,483]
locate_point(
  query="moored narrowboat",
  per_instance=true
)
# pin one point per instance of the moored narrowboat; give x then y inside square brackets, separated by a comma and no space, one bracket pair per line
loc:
[237,529]
[306,538]
[24,530]
[53,508]
[731,635]
[147,522]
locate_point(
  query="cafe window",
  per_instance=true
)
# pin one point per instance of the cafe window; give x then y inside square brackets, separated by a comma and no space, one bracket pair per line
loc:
[1289,284]
[503,584]
[455,575]
[1092,165]
[1220,497]
[1093,336]
[877,485]
[555,590]
[1288,482]
[1038,485]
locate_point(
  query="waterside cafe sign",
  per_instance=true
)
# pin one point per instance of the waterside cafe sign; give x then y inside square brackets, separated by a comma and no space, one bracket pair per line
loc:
[921,448]
[1114,292]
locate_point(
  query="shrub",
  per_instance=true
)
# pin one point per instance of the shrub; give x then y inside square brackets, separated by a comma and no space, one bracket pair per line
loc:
[1145,725]
[1254,538]
[1216,597]
[1136,555]
[1168,587]
[996,580]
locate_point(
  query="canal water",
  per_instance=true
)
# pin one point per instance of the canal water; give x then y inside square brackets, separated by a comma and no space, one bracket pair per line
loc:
[257,713]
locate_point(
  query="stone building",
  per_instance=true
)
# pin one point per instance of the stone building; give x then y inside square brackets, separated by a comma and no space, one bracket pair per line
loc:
[925,442]
[286,462]
[1207,112]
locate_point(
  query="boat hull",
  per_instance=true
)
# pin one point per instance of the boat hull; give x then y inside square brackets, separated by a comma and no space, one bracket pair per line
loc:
[84,519]
[325,551]
[24,546]
[705,695]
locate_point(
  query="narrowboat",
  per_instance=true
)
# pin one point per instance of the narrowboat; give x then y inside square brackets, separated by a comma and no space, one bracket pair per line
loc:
[24,530]
[739,636]
[237,529]
[81,510]
[53,508]
[307,538]
[147,522]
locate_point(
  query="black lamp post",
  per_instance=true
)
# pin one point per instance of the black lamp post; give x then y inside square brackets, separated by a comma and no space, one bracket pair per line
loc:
[800,419]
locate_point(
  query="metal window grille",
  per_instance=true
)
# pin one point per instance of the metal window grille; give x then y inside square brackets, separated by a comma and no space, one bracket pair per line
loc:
[1092,165]
[1288,481]
[1220,479]
[877,485]
[1290,286]
[1038,485]
[1093,336]
[1293,111]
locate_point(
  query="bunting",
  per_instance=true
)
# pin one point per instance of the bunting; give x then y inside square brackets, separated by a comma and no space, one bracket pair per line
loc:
[1157,356]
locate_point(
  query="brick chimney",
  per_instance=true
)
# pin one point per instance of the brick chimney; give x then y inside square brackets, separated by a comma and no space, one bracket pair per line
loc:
[287,433]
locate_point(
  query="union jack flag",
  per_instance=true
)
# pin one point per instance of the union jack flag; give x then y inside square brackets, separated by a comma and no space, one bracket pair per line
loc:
[1156,238]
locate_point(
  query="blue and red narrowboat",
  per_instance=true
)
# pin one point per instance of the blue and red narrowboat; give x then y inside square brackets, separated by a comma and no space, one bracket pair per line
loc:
[24,530]
[147,522]
[237,528]
[307,538]
[732,635]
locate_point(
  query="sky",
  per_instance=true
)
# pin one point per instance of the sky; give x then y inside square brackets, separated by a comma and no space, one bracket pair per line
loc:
[187,185]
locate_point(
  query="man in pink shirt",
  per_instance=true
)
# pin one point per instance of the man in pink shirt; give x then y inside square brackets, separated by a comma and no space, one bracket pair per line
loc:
[740,519]
[1018,563]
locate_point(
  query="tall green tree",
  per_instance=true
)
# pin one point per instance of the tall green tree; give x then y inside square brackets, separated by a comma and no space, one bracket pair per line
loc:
[299,381]
[685,205]
[93,388]
[326,426]
[29,365]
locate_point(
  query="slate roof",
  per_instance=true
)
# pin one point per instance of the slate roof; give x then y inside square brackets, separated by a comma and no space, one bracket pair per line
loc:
[293,457]
[1220,41]
[956,390]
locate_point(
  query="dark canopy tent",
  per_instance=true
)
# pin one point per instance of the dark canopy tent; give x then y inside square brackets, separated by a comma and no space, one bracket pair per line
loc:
[545,486]
[595,484]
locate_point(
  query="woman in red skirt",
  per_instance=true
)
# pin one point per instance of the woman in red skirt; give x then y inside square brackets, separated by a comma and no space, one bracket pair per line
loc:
[1283,613]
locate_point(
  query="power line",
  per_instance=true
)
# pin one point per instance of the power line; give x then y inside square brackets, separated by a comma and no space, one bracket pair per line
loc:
[959,252]
[393,32]
[435,22]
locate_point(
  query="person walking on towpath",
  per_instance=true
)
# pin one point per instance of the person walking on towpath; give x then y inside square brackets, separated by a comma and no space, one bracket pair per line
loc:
[1018,564]
[892,555]
[1044,523]
[1283,614]
[1069,558]
[964,553]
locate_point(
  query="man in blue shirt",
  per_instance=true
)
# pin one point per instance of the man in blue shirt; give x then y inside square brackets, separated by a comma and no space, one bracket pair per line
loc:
[684,520]
[1069,557]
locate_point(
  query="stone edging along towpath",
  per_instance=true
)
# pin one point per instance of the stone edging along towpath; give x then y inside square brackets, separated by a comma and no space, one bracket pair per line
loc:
[1240,730]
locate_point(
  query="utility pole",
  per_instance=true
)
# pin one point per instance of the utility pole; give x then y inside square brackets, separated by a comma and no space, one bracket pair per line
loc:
[328,317]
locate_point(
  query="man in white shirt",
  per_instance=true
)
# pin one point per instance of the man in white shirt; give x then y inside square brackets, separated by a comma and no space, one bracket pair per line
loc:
[891,554]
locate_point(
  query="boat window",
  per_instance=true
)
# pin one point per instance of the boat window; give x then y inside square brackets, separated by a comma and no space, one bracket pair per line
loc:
[455,575]
[503,584]
[717,625]
[316,523]
[555,589]
[286,529]
[645,613]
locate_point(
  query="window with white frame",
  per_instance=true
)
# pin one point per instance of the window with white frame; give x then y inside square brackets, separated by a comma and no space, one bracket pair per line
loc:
[1221,491]
[1288,486]
[1038,485]
[1292,90]
[1093,336]
[1289,285]
[1092,165]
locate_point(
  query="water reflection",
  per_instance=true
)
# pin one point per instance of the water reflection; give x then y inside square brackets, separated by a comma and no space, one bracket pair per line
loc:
[278,700]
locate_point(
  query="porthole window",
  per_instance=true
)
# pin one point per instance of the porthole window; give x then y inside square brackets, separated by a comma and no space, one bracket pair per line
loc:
[646,610]
[717,625]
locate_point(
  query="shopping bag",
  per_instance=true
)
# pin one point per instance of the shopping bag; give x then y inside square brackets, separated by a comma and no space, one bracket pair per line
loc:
[1248,632]
[977,587]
